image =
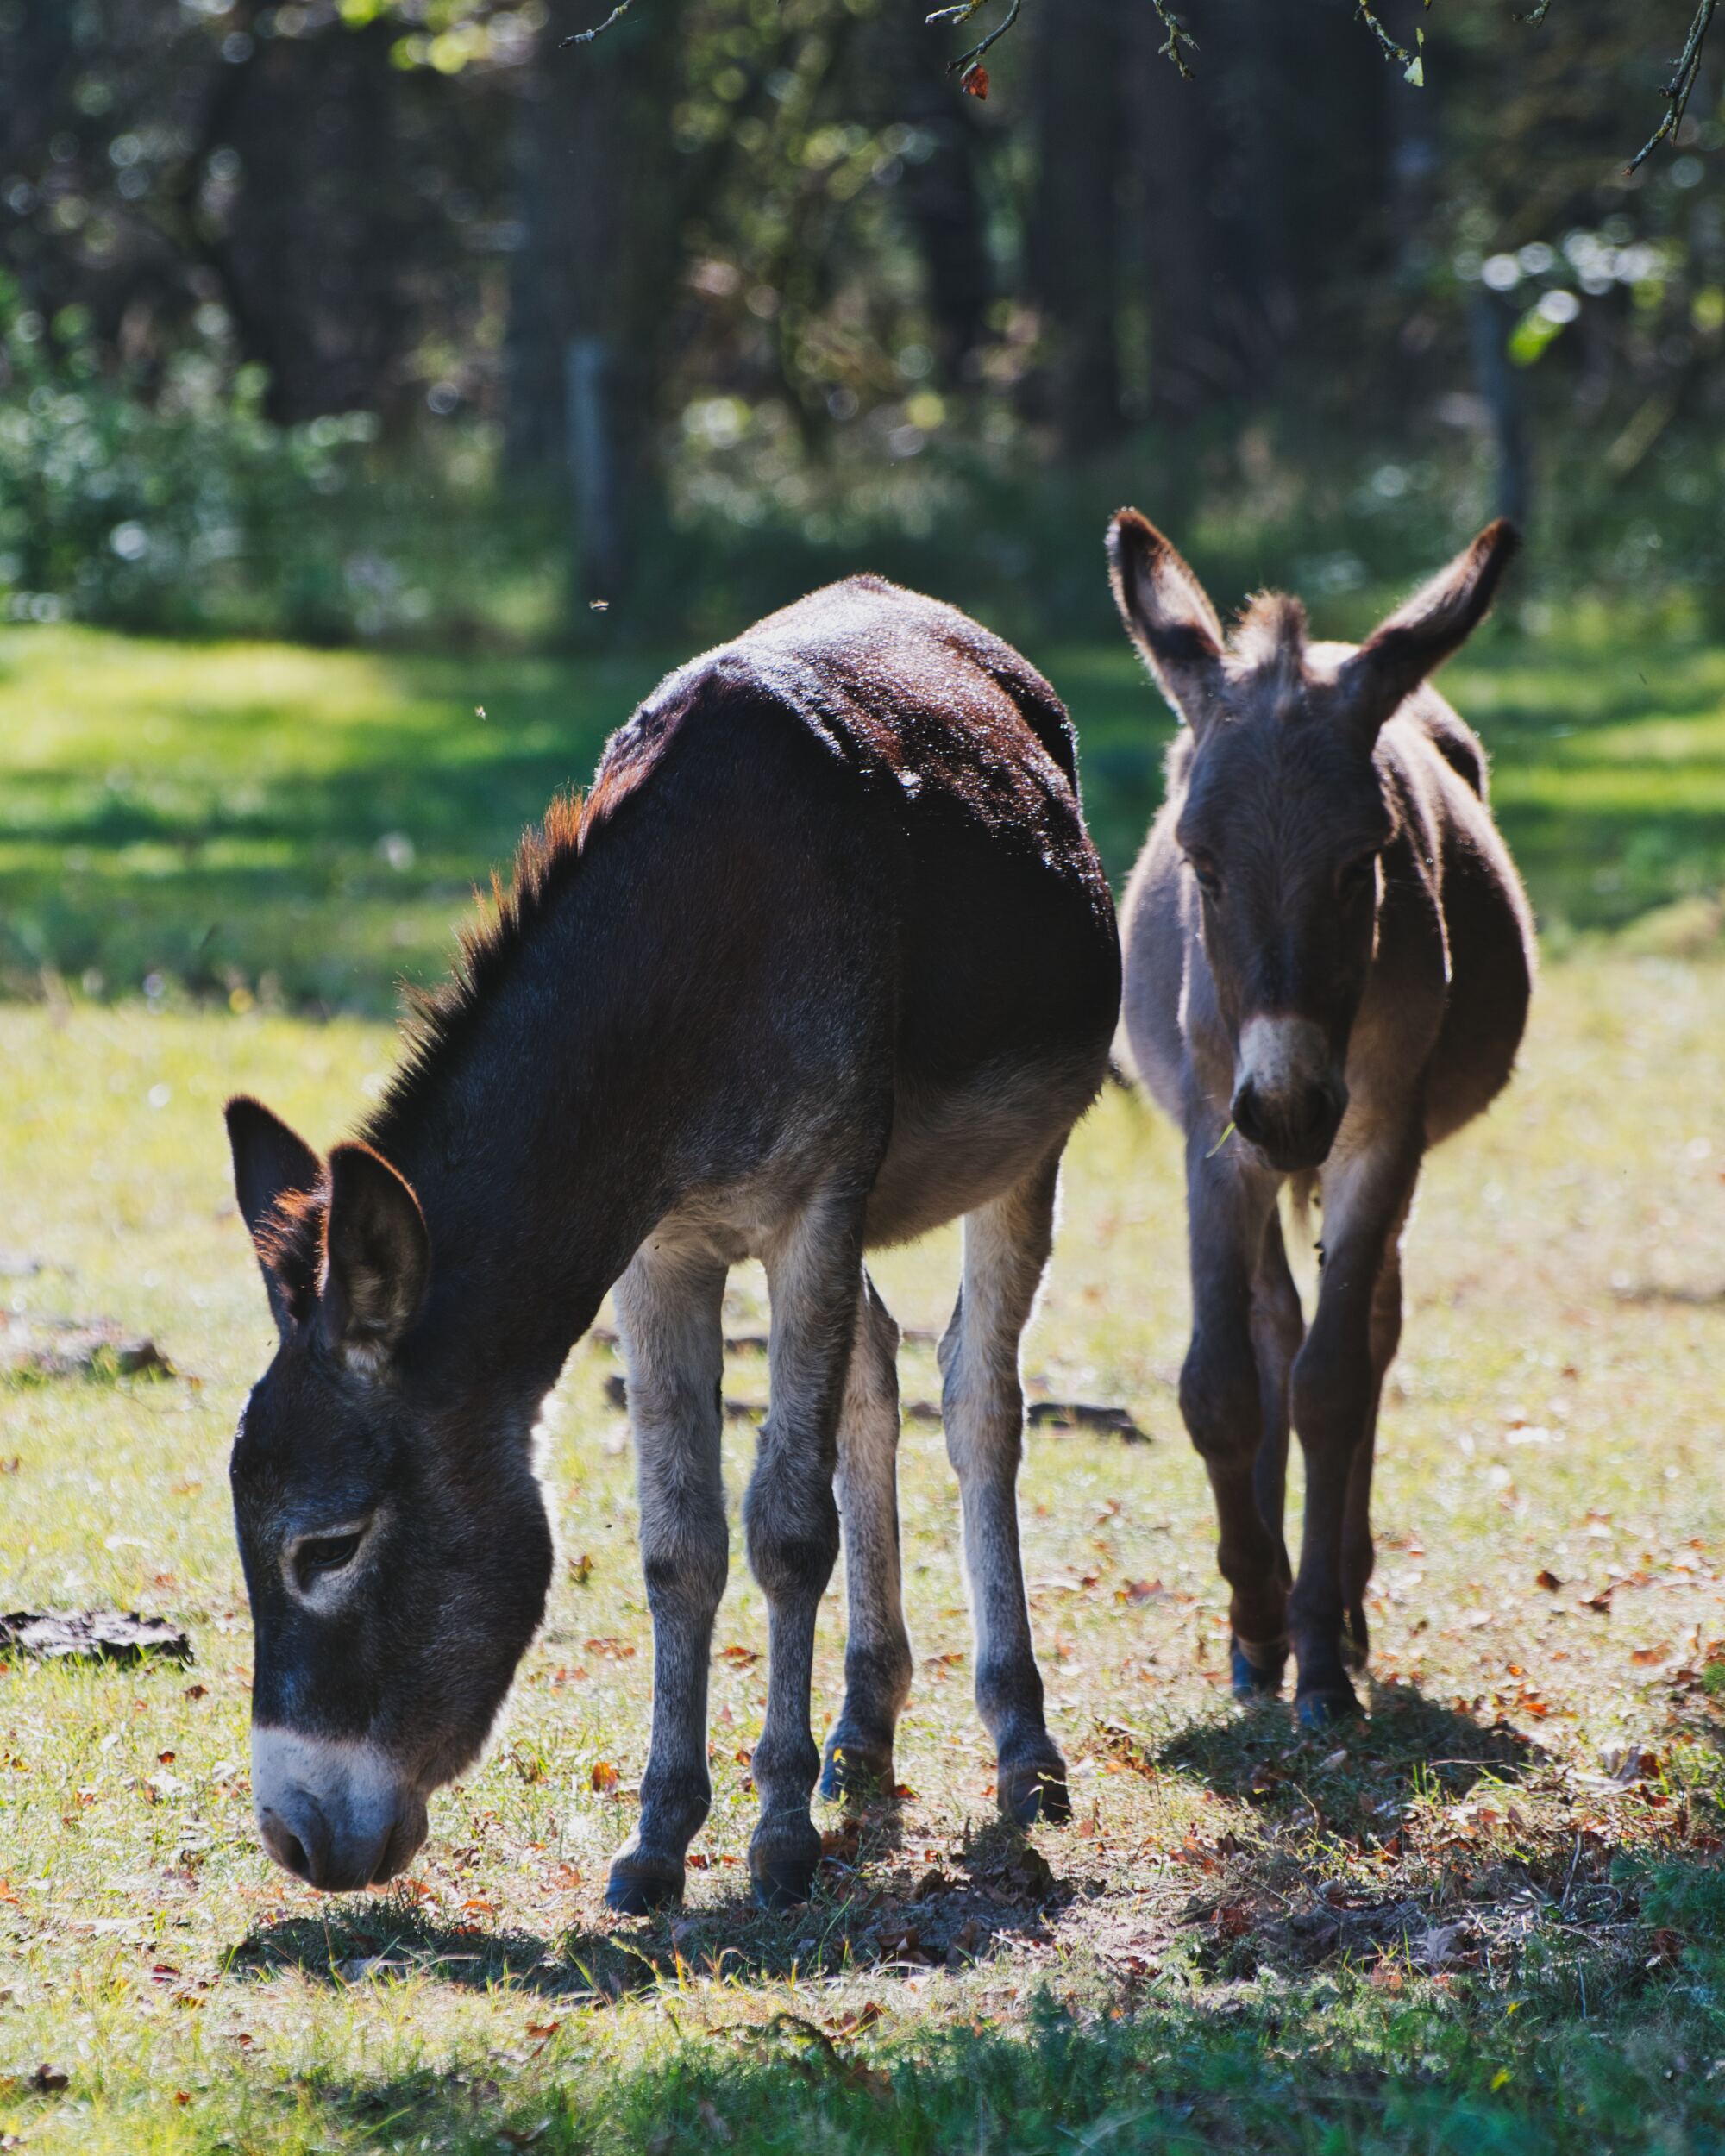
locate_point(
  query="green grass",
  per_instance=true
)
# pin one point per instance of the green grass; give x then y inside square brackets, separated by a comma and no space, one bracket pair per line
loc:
[1454,1928]
[301,827]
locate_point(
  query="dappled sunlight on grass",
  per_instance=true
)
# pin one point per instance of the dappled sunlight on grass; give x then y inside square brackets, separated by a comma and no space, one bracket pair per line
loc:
[247,821]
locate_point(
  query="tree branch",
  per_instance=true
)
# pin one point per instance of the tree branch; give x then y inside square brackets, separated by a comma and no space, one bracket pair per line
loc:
[598,30]
[966,63]
[1179,42]
[1676,91]
[1391,49]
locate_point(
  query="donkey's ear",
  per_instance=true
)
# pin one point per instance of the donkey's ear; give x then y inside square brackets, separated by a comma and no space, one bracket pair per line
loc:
[271,1164]
[1432,627]
[379,1258]
[1167,614]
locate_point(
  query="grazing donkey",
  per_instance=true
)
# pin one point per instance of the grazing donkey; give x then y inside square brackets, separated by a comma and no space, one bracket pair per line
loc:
[1328,954]
[826,958]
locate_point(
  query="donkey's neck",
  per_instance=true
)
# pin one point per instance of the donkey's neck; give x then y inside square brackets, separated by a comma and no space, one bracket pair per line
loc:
[540,1139]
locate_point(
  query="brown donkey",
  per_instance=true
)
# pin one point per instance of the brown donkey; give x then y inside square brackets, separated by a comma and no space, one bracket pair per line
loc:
[1328,963]
[826,958]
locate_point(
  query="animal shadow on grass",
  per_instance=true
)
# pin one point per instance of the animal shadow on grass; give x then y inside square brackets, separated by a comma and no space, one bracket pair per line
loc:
[875,1907]
[1409,1746]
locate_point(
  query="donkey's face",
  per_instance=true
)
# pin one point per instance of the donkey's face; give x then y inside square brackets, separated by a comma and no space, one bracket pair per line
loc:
[1285,813]
[397,1552]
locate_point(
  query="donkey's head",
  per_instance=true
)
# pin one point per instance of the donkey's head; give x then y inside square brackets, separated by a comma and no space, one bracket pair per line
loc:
[1285,812]
[395,1550]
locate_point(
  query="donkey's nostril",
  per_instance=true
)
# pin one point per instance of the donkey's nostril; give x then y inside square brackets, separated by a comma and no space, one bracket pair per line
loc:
[1244,1110]
[297,1837]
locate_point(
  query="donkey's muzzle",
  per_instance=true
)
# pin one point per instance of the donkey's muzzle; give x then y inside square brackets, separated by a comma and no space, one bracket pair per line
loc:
[332,1812]
[1293,1128]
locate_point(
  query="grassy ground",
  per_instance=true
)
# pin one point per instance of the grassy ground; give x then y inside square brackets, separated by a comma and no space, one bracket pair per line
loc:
[1490,1917]
[259,821]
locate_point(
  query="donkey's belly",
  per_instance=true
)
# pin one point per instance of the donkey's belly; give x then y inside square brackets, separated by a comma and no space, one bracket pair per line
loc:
[954,1148]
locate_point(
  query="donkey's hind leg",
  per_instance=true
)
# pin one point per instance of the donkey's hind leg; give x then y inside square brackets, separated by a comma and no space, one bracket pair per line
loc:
[1278,1329]
[791,1519]
[669,1305]
[877,1649]
[1006,1243]
[1359,1555]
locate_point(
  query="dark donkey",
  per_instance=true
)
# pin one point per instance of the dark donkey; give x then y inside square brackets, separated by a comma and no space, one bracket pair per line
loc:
[826,958]
[1327,950]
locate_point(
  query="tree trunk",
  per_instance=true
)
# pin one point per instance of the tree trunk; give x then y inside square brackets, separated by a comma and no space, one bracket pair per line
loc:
[940,190]
[610,215]
[318,250]
[1074,240]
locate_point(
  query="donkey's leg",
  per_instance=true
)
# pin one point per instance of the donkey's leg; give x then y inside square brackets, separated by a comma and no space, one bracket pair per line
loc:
[1237,1332]
[1334,1393]
[1359,1555]
[877,1649]
[1007,1243]
[791,1519]
[669,1309]
[1278,1329]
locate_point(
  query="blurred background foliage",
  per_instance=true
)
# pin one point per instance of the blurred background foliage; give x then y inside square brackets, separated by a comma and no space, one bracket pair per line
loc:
[389,320]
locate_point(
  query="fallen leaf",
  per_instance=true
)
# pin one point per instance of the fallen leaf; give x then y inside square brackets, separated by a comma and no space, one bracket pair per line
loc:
[604,1778]
[1548,1580]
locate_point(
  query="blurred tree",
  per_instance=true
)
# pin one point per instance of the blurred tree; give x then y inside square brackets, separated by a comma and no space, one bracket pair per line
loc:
[758,265]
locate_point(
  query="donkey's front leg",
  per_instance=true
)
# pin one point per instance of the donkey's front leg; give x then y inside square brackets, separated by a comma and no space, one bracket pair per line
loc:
[877,1649]
[669,1307]
[791,1520]
[1230,1209]
[1335,1388]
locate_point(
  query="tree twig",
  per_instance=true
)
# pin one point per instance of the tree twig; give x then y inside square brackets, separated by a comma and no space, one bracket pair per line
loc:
[598,30]
[966,61]
[1391,49]
[1676,91]
[1178,37]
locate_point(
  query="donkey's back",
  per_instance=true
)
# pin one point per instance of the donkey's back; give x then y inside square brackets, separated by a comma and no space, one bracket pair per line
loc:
[869,724]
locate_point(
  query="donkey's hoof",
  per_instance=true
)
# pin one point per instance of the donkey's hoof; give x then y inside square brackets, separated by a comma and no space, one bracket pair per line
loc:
[1316,1711]
[639,1883]
[857,1770]
[1035,1788]
[782,1866]
[1257,1669]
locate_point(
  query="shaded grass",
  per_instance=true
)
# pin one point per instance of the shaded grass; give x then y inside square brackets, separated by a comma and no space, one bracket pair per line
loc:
[244,821]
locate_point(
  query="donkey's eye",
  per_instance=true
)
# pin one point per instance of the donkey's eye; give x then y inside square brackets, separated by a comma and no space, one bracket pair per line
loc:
[1358,874]
[323,1554]
[1209,875]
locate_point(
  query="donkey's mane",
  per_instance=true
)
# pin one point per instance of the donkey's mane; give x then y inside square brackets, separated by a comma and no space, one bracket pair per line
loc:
[1271,631]
[436,1020]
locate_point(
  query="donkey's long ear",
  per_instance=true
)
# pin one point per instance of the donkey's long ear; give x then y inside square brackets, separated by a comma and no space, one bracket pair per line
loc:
[271,1164]
[1432,627]
[1167,614]
[380,1258]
